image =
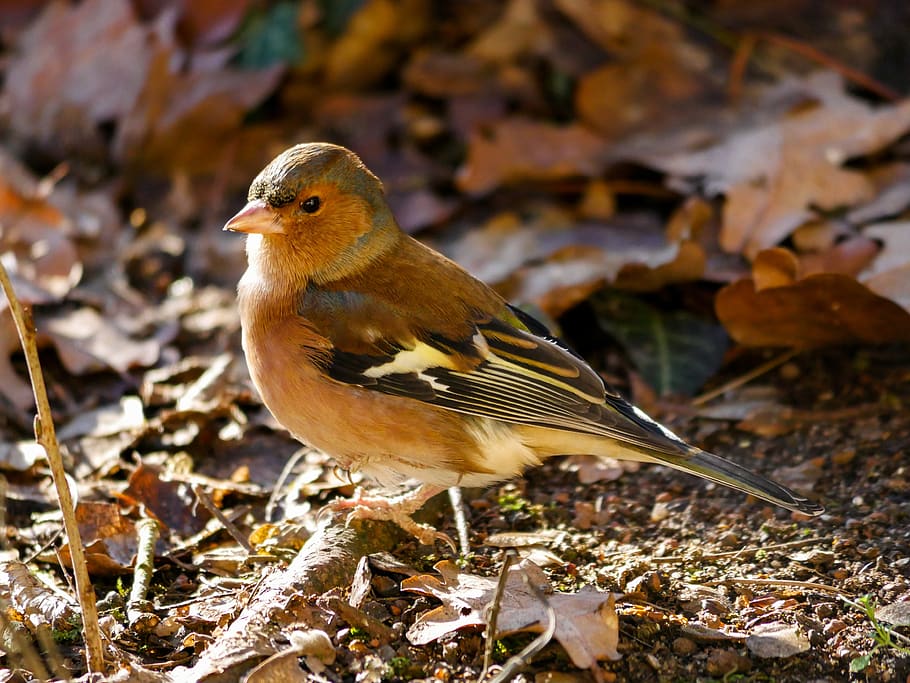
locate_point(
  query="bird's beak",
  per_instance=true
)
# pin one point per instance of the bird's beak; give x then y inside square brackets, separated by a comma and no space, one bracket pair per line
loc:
[256,217]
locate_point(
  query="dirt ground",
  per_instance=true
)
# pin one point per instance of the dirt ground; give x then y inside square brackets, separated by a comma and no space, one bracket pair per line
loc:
[681,548]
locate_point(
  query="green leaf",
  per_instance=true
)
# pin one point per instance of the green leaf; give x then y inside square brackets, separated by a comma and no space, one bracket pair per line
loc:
[271,36]
[860,663]
[675,351]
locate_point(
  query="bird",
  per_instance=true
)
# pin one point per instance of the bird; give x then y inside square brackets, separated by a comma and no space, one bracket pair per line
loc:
[376,349]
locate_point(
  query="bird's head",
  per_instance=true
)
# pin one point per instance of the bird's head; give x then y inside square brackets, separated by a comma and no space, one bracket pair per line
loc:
[317,211]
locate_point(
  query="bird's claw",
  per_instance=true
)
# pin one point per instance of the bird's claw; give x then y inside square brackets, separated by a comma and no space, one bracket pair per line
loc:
[396,510]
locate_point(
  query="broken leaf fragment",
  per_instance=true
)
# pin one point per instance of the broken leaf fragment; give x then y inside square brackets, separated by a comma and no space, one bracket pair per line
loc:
[586,622]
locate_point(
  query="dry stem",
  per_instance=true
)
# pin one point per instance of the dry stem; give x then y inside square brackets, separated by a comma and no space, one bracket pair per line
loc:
[46,436]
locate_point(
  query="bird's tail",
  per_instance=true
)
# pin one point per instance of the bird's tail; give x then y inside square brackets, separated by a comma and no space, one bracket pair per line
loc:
[730,474]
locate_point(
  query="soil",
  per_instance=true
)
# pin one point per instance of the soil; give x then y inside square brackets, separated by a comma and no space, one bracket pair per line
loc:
[683,551]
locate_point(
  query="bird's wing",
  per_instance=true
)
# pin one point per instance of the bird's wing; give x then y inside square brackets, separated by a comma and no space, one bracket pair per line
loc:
[508,368]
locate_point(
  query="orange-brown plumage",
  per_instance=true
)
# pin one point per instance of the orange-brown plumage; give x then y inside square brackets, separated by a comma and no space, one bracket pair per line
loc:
[376,349]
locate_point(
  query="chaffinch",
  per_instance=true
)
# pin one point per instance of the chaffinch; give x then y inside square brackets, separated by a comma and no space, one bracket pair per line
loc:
[374,348]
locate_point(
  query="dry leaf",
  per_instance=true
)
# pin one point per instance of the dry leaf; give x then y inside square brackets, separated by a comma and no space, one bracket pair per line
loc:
[376,35]
[776,639]
[586,623]
[171,502]
[520,149]
[59,83]
[87,342]
[518,31]
[110,538]
[773,308]
[554,262]
[183,117]
[32,601]
[776,173]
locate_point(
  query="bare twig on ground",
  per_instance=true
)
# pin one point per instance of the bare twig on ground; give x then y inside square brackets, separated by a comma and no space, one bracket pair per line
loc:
[45,435]
[747,47]
[521,660]
[328,560]
[229,526]
[492,616]
[749,550]
[737,382]
[138,608]
[783,583]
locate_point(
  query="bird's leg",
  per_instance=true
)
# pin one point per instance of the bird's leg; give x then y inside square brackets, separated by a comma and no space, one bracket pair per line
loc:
[397,509]
[461,521]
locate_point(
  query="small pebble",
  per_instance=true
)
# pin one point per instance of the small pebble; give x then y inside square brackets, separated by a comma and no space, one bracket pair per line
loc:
[844,456]
[724,662]
[824,610]
[730,540]
[558,677]
[834,626]
[660,512]
[684,646]
[789,371]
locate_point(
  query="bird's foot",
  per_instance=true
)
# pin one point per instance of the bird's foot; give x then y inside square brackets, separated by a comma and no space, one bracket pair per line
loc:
[397,509]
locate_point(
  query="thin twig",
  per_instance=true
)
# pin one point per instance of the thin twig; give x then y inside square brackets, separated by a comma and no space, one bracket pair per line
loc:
[229,526]
[815,55]
[46,436]
[138,608]
[737,382]
[742,551]
[492,616]
[278,489]
[784,583]
[519,661]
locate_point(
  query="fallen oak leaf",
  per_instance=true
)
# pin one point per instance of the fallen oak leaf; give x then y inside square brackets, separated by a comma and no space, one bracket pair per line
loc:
[781,166]
[586,623]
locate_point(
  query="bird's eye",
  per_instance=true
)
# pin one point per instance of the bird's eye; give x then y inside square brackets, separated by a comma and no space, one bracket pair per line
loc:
[310,204]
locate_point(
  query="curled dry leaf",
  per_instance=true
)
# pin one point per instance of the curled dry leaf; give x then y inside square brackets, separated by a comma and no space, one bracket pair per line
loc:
[38,253]
[98,437]
[889,274]
[110,539]
[32,602]
[586,622]
[170,501]
[554,261]
[777,308]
